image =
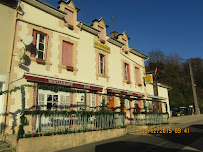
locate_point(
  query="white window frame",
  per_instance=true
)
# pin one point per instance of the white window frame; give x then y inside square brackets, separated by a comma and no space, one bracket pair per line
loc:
[101,64]
[59,103]
[92,102]
[38,43]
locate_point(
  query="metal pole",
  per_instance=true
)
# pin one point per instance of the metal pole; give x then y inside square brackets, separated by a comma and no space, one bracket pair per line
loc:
[194,91]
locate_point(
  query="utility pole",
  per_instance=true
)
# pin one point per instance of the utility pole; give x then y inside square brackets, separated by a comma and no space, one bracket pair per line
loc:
[194,91]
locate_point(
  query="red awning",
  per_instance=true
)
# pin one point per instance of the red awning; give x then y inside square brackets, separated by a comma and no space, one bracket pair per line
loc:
[57,81]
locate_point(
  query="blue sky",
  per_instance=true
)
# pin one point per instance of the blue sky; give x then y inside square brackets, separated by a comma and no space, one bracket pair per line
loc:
[173,26]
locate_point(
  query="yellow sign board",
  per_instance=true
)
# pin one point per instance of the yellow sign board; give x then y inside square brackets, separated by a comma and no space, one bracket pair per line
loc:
[148,78]
[102,46]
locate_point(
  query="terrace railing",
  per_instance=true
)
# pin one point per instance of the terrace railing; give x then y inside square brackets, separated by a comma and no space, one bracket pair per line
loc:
[75,123]
[151,119]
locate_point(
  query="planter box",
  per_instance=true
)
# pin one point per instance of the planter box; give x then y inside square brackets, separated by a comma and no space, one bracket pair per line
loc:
[40,61]
[69,68]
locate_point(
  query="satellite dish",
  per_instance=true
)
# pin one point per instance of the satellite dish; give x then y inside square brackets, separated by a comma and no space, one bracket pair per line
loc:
[28,40]
[21,54]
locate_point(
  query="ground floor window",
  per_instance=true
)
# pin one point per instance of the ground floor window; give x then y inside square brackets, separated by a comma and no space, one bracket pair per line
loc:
[51,100]
[92,102]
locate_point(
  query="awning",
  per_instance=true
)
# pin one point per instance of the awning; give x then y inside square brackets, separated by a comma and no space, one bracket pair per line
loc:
[125,92]
[63,82]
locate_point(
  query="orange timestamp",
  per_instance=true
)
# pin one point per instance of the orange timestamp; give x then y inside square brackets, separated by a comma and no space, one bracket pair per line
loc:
[164,130]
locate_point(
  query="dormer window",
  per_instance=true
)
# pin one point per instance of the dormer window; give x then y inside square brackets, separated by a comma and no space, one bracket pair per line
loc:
[101,26]
[70,18]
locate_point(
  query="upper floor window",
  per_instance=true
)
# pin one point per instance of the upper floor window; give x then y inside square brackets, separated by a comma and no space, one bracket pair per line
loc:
[101,64]
[126,72]
[69,16]
[39,45]
[67,54]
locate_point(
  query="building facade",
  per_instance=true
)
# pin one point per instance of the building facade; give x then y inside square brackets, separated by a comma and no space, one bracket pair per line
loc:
[67,52]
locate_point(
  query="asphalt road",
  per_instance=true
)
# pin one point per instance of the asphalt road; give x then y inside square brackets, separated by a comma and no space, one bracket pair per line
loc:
[154,142]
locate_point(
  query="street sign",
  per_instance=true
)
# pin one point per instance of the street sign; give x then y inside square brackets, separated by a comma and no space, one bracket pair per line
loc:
[148,78]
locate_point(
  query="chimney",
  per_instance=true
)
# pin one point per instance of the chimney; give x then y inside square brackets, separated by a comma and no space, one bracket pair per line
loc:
[114,34]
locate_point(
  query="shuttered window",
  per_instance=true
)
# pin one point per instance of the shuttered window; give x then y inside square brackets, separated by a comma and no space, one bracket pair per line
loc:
[67,54]
[39,45]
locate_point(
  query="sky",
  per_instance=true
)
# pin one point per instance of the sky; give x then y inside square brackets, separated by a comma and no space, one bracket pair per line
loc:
[172,26]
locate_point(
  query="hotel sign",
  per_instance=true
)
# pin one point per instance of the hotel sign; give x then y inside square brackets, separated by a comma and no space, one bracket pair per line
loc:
[102,46]
[60,82]
[148,78]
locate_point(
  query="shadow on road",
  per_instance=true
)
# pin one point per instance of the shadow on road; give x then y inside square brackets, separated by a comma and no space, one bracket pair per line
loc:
[127,146]
[168,142]
[192,139]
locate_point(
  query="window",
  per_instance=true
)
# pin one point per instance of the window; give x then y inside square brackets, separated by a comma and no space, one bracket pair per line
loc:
[92,102]
[39,45]
[137,76]
[67,54]
[65,101]
[126,72]
[41,101]
[80,102]
[53,101]
[101,64]
[69,16]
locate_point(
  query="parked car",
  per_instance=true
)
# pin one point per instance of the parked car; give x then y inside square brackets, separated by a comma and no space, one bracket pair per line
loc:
[177,112]
[184,109]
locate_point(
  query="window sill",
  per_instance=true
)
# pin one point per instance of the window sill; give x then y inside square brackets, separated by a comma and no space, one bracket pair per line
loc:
[71,27]
[127,81]
[102,75]
[69,68]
